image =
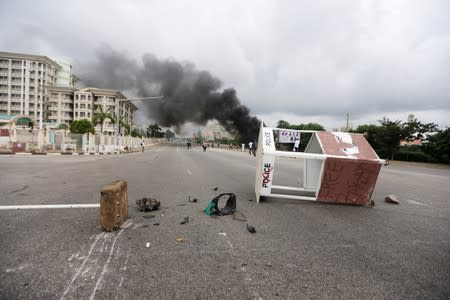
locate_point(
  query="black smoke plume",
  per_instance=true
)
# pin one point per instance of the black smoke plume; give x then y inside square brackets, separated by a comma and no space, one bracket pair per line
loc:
[190,95]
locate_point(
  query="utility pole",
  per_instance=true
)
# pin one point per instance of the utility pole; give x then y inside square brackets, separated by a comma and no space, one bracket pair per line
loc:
[346,125]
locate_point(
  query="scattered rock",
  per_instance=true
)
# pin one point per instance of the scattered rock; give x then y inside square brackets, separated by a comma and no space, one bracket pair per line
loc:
[156,224]
[251,229]
[179,239]
[215,188]
[148,216]
[185,221]
[392,199]
[193,200]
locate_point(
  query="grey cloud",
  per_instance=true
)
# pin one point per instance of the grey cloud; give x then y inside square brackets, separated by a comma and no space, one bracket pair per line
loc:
[301,57]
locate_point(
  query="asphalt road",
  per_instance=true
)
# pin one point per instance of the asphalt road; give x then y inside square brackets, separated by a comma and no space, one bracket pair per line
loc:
[300,249]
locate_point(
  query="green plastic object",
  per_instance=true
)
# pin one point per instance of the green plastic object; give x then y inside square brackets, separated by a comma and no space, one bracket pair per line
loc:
[211,208]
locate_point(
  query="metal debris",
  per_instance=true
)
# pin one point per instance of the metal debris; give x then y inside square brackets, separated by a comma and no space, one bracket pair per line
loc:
[239,216]
[179,239]
[148,204]
[213,205]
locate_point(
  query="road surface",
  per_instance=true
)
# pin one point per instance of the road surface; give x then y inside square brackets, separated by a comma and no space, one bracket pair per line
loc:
[300,249]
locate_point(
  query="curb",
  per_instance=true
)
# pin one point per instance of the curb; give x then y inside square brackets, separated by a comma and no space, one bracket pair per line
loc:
[74,153]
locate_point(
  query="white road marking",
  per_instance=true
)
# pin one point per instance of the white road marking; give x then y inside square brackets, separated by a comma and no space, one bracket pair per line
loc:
[189,172]
[229,244]
[417,203]
[228,240]
[15,269]
[105,265]
[50,206]
[82,265]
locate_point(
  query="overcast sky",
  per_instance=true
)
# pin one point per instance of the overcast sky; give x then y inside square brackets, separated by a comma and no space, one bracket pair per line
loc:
[301,61]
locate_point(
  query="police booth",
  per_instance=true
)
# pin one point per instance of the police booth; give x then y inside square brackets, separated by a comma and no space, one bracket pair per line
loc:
[334,167]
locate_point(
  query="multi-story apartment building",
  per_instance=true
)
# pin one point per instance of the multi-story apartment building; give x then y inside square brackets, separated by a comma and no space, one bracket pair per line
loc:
[87,103]
[24,83]
[60,104]
[44,89]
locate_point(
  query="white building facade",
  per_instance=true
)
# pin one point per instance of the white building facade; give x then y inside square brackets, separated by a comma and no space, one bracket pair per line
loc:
[24,83]
[44,89]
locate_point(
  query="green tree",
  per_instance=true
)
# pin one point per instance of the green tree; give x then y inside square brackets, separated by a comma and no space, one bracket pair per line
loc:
[283,124]
[82,126]
[127,126]
[389,135]
[301,126]
[136,133]
[371,133]
[169,134]
[154,130]
[123,123]
[438,146]
[100,116]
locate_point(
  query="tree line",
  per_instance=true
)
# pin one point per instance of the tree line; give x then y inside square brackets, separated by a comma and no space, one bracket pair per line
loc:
[386,137]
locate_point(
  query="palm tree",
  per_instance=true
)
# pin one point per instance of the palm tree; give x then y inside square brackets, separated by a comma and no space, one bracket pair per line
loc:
[127,125]
[100,116]
[122,121]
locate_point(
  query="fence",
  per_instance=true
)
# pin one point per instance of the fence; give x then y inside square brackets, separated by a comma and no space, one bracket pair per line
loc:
[44,140]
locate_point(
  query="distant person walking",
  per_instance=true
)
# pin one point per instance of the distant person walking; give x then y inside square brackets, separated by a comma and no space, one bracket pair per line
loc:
[188,145]
[204,146]
[142,146]
[297,145]
[250,147]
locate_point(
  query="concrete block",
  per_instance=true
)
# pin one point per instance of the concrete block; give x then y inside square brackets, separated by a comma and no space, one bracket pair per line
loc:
[113,205]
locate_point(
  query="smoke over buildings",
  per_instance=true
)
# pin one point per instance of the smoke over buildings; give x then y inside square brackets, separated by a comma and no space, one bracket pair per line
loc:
[190,95]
